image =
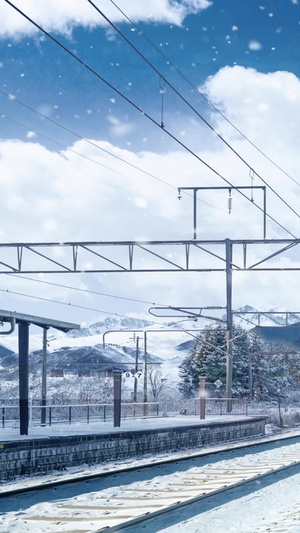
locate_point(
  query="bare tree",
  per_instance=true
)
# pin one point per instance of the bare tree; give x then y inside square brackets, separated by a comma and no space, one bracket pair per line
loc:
[157,381]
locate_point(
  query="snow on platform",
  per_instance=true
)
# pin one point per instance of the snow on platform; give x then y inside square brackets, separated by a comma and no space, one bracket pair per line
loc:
[100,427]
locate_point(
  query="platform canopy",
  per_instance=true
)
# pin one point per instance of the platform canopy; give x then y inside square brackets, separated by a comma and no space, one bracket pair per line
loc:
[21,318]
[24,322]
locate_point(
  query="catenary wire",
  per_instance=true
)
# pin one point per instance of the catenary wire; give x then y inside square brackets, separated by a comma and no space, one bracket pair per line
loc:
[250,167]
[92,292]
[96,146]
[70,304]
[88,309]
[140,110]
[146,37]
[85,290]
[63,146]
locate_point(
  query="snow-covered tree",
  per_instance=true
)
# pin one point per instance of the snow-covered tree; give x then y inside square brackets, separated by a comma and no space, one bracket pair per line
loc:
[208,358]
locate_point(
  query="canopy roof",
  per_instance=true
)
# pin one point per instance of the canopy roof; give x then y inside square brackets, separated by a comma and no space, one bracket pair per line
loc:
[21,318]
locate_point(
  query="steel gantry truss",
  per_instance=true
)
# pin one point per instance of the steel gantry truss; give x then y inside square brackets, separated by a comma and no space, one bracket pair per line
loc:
[143,256]
[156,256]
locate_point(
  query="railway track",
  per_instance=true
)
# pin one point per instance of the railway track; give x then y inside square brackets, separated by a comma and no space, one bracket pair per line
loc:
[116,501]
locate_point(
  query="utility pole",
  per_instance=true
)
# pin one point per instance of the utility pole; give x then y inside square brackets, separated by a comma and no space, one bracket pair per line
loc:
[145,376]
[136,370]
[228,247]
[44,378]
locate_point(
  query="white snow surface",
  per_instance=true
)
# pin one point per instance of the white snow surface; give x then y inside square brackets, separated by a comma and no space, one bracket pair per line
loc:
[271,506]
[100,427]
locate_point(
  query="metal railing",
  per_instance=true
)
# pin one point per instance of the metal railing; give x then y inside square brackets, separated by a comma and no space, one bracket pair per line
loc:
[73,413]
[218,406]
[93,412]
[9,415]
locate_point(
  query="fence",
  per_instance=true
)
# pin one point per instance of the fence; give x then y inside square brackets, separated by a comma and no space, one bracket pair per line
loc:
[87,413]
[93,412]
[218,406]
[9,415]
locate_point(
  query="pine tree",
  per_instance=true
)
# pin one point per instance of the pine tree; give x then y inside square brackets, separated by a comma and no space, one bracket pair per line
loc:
[208,358]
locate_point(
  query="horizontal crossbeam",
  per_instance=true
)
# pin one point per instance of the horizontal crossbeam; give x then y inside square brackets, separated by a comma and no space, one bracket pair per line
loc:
[147,256]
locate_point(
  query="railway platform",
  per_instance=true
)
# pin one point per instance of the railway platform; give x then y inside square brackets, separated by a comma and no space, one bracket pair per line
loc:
[58,447]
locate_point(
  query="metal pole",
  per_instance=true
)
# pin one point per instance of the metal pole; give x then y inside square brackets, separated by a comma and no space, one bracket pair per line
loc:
[195,213]
[202,397]
[117,399]
[136,370]
[250,377]
[145,376]
[44,378]
[265,212]
[228,246]
[23,376]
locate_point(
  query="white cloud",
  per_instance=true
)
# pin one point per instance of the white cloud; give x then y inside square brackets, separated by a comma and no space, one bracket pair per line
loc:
[48,196]
[63,16]
[243,93]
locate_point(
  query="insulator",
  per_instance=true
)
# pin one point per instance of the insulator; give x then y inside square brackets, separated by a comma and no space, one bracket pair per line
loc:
[229,202]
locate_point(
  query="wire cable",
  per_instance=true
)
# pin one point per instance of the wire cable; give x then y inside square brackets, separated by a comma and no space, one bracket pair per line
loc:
[64,146]
[191,106]
[149,323]
[141,32]
[71,305]
[140,110]
[85,290]
[96,146]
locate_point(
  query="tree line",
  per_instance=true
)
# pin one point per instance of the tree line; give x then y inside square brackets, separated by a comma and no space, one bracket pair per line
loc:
[261,371]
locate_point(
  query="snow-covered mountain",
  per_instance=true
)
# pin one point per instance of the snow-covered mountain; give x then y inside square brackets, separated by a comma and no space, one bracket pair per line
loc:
[248,317]
[84,349]
[109,324]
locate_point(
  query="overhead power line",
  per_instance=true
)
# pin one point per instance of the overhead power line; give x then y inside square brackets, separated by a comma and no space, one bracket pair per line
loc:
[85,290]
[96,146]
[191,106]
[69,304]
[64,146]
[151,323]
[146,37]
[140,110]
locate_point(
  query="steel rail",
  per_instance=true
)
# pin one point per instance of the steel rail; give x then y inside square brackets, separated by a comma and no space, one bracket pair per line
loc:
[142,504]
[255,441]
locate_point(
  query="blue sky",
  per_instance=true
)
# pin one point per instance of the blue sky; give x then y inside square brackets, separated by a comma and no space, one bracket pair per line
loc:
[243,55]
[248,34]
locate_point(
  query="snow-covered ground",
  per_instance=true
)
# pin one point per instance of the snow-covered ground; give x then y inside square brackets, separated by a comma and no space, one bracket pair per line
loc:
[272,507]
[264,505]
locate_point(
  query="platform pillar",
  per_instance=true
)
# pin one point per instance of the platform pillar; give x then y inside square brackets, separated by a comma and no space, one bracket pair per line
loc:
[117,399]
[23,377]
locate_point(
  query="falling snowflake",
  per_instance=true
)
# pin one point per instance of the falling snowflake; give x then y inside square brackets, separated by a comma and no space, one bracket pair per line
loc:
[254,45]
